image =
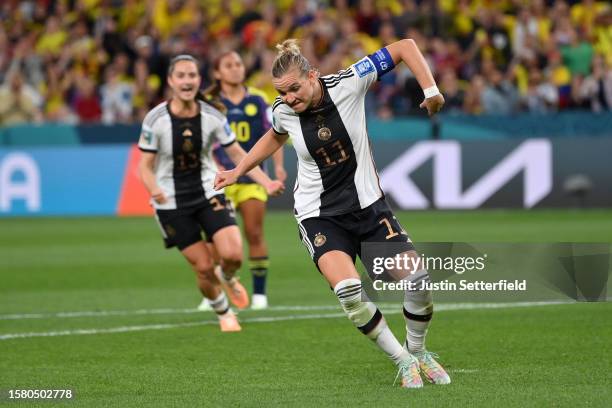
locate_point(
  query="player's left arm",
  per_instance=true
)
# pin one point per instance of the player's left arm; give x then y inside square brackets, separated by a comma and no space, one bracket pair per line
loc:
[408,52]
[277,156]
[237,153]
[279,166]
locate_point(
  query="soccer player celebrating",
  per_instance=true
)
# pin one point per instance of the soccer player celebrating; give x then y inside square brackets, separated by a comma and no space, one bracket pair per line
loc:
[338,201]
[178,170]
[249,116]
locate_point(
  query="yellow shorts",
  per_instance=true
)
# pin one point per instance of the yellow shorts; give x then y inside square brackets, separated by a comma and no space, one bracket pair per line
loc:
[239,193]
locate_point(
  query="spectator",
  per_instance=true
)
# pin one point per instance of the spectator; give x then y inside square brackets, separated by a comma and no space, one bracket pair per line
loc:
[52,39]
[539,43]
[499,96]
[367,18]
[18,101]
[472,103]
[248,15]
[577,55]
[56,109]
[116,98]
[86,102]
[5,57]
[453,94]
[597,87]
[146,88]
[542,95]
[526,27]
[169,15]
[561,77]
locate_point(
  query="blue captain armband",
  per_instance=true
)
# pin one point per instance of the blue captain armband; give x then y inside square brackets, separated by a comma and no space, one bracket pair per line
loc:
[382,61]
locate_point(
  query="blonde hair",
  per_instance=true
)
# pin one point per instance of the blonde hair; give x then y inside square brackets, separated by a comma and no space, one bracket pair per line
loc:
[289,56]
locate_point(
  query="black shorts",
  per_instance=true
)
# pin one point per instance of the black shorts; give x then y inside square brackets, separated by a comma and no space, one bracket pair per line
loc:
[346,232]
[183,227]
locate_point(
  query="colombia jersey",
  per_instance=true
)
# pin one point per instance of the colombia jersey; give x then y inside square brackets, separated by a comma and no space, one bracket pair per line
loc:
[249,120]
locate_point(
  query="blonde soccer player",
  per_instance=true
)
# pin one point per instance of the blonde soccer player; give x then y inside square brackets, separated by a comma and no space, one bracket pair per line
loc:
[338,200]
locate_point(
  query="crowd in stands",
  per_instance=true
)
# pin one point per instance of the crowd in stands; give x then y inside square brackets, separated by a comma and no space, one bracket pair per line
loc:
[90,61]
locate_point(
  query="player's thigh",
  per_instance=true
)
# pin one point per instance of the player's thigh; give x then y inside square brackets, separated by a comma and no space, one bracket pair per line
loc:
[213,251]
[180,228]
[228,243]
[253,212]
[322,235]
[337,266]
[199,256]
[382,227]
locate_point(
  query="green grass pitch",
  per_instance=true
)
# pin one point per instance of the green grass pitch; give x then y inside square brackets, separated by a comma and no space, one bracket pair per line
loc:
[143,345]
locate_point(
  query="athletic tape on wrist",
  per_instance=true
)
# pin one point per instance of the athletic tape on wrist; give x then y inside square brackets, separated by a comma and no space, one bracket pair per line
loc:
[431,91]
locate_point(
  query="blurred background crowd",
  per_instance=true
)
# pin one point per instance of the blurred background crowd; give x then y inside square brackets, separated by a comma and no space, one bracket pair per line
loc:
[91,61]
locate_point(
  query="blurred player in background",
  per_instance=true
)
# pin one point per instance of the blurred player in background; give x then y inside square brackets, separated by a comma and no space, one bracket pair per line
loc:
[338,200]
[178,170]
[249,116]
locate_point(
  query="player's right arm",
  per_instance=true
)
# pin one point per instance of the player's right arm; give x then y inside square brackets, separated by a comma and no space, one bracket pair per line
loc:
[408,52]
[148,145]
[269,143]
[377,64]
[146,168]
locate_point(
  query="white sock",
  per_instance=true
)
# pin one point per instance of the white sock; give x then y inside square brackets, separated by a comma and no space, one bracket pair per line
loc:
[418,310]
[387,342]
[368,319]
[220,305]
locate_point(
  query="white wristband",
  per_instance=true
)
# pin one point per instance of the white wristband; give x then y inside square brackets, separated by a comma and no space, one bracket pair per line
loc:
[431,91]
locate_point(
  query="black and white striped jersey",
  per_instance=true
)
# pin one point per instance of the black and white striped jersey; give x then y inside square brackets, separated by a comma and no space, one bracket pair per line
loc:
[184,167]
[336,171]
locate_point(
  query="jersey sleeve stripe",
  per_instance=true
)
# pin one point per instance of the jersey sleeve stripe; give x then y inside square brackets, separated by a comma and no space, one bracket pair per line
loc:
[277,104]
[336,82]
[335,79]
[144,149]
[155,114]
[341,74]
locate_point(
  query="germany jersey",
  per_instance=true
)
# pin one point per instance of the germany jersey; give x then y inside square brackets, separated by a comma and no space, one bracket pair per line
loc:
[336,170]
[184,167]
[249,120]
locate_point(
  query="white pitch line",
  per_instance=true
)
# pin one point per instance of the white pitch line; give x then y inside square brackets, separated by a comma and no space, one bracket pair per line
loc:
[164,326]
[104,313]
[125,329]
[287,308]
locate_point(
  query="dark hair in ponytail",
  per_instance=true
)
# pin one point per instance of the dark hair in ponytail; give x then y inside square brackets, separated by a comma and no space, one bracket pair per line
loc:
[213,92]
[200,96]
[215,103]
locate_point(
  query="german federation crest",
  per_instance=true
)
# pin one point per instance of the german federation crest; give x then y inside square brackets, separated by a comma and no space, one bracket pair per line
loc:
[324,133]
[319,239]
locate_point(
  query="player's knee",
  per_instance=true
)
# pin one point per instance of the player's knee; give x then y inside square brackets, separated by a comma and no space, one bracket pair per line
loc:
[419,301]
[232,258]
[419,308]
[255,236]
[204,268]
[364,314]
